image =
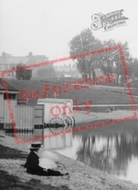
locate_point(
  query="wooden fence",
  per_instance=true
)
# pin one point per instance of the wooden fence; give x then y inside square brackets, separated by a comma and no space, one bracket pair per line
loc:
[24,122]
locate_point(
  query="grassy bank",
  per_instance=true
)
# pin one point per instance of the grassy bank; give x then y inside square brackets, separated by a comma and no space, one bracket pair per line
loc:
[10,153]
[12,182]
[97,95]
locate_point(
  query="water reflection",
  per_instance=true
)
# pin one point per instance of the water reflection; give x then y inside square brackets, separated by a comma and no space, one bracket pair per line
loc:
[23,134]
[72,150]
[131,170]
[115,154]
[114,151]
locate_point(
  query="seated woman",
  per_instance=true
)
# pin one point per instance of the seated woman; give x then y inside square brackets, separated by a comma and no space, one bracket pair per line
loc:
[32,163]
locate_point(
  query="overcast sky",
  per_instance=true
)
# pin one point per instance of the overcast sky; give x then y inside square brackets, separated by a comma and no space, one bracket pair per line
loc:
[45,27]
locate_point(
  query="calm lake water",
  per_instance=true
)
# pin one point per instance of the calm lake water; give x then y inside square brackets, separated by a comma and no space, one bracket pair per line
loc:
[111,149]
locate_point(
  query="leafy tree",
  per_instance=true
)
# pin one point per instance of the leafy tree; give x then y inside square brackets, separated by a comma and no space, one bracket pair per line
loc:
[82,44]
[119,69]
[106,59]
[134,67]
[110,62]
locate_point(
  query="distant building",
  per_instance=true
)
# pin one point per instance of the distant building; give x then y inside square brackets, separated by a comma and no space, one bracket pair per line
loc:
[5,117]
[33,59]
[67,70]
[8,62]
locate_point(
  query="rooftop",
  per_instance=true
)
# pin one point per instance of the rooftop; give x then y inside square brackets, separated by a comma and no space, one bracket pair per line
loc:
[9,86]
[27,60]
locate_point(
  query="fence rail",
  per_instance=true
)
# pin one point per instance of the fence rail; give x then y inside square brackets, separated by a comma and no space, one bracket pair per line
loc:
[24,122]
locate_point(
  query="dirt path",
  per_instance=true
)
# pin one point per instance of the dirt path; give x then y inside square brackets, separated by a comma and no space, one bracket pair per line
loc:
[92,116]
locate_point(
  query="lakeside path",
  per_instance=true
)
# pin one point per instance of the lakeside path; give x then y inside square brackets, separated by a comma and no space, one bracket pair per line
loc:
[81,176]
[92,116]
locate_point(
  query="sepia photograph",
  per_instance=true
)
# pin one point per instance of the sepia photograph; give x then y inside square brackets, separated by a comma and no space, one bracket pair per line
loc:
[68,95]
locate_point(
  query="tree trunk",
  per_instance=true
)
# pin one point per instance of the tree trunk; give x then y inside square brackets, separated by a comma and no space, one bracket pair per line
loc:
[89,74]
[117,79]
[93,76]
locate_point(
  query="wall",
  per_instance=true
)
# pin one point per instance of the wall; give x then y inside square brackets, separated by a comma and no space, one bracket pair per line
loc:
[7,118]
[1,108]
[24,117]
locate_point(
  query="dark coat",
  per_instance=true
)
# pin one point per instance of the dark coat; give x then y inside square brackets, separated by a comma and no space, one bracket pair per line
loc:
[32,165]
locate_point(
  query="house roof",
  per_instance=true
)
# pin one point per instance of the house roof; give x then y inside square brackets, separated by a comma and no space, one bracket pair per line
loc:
[9,86]
[36,59]
[13,60]
[27,60]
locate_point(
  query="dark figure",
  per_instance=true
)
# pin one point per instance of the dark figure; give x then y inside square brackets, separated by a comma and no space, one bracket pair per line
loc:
[32,165]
